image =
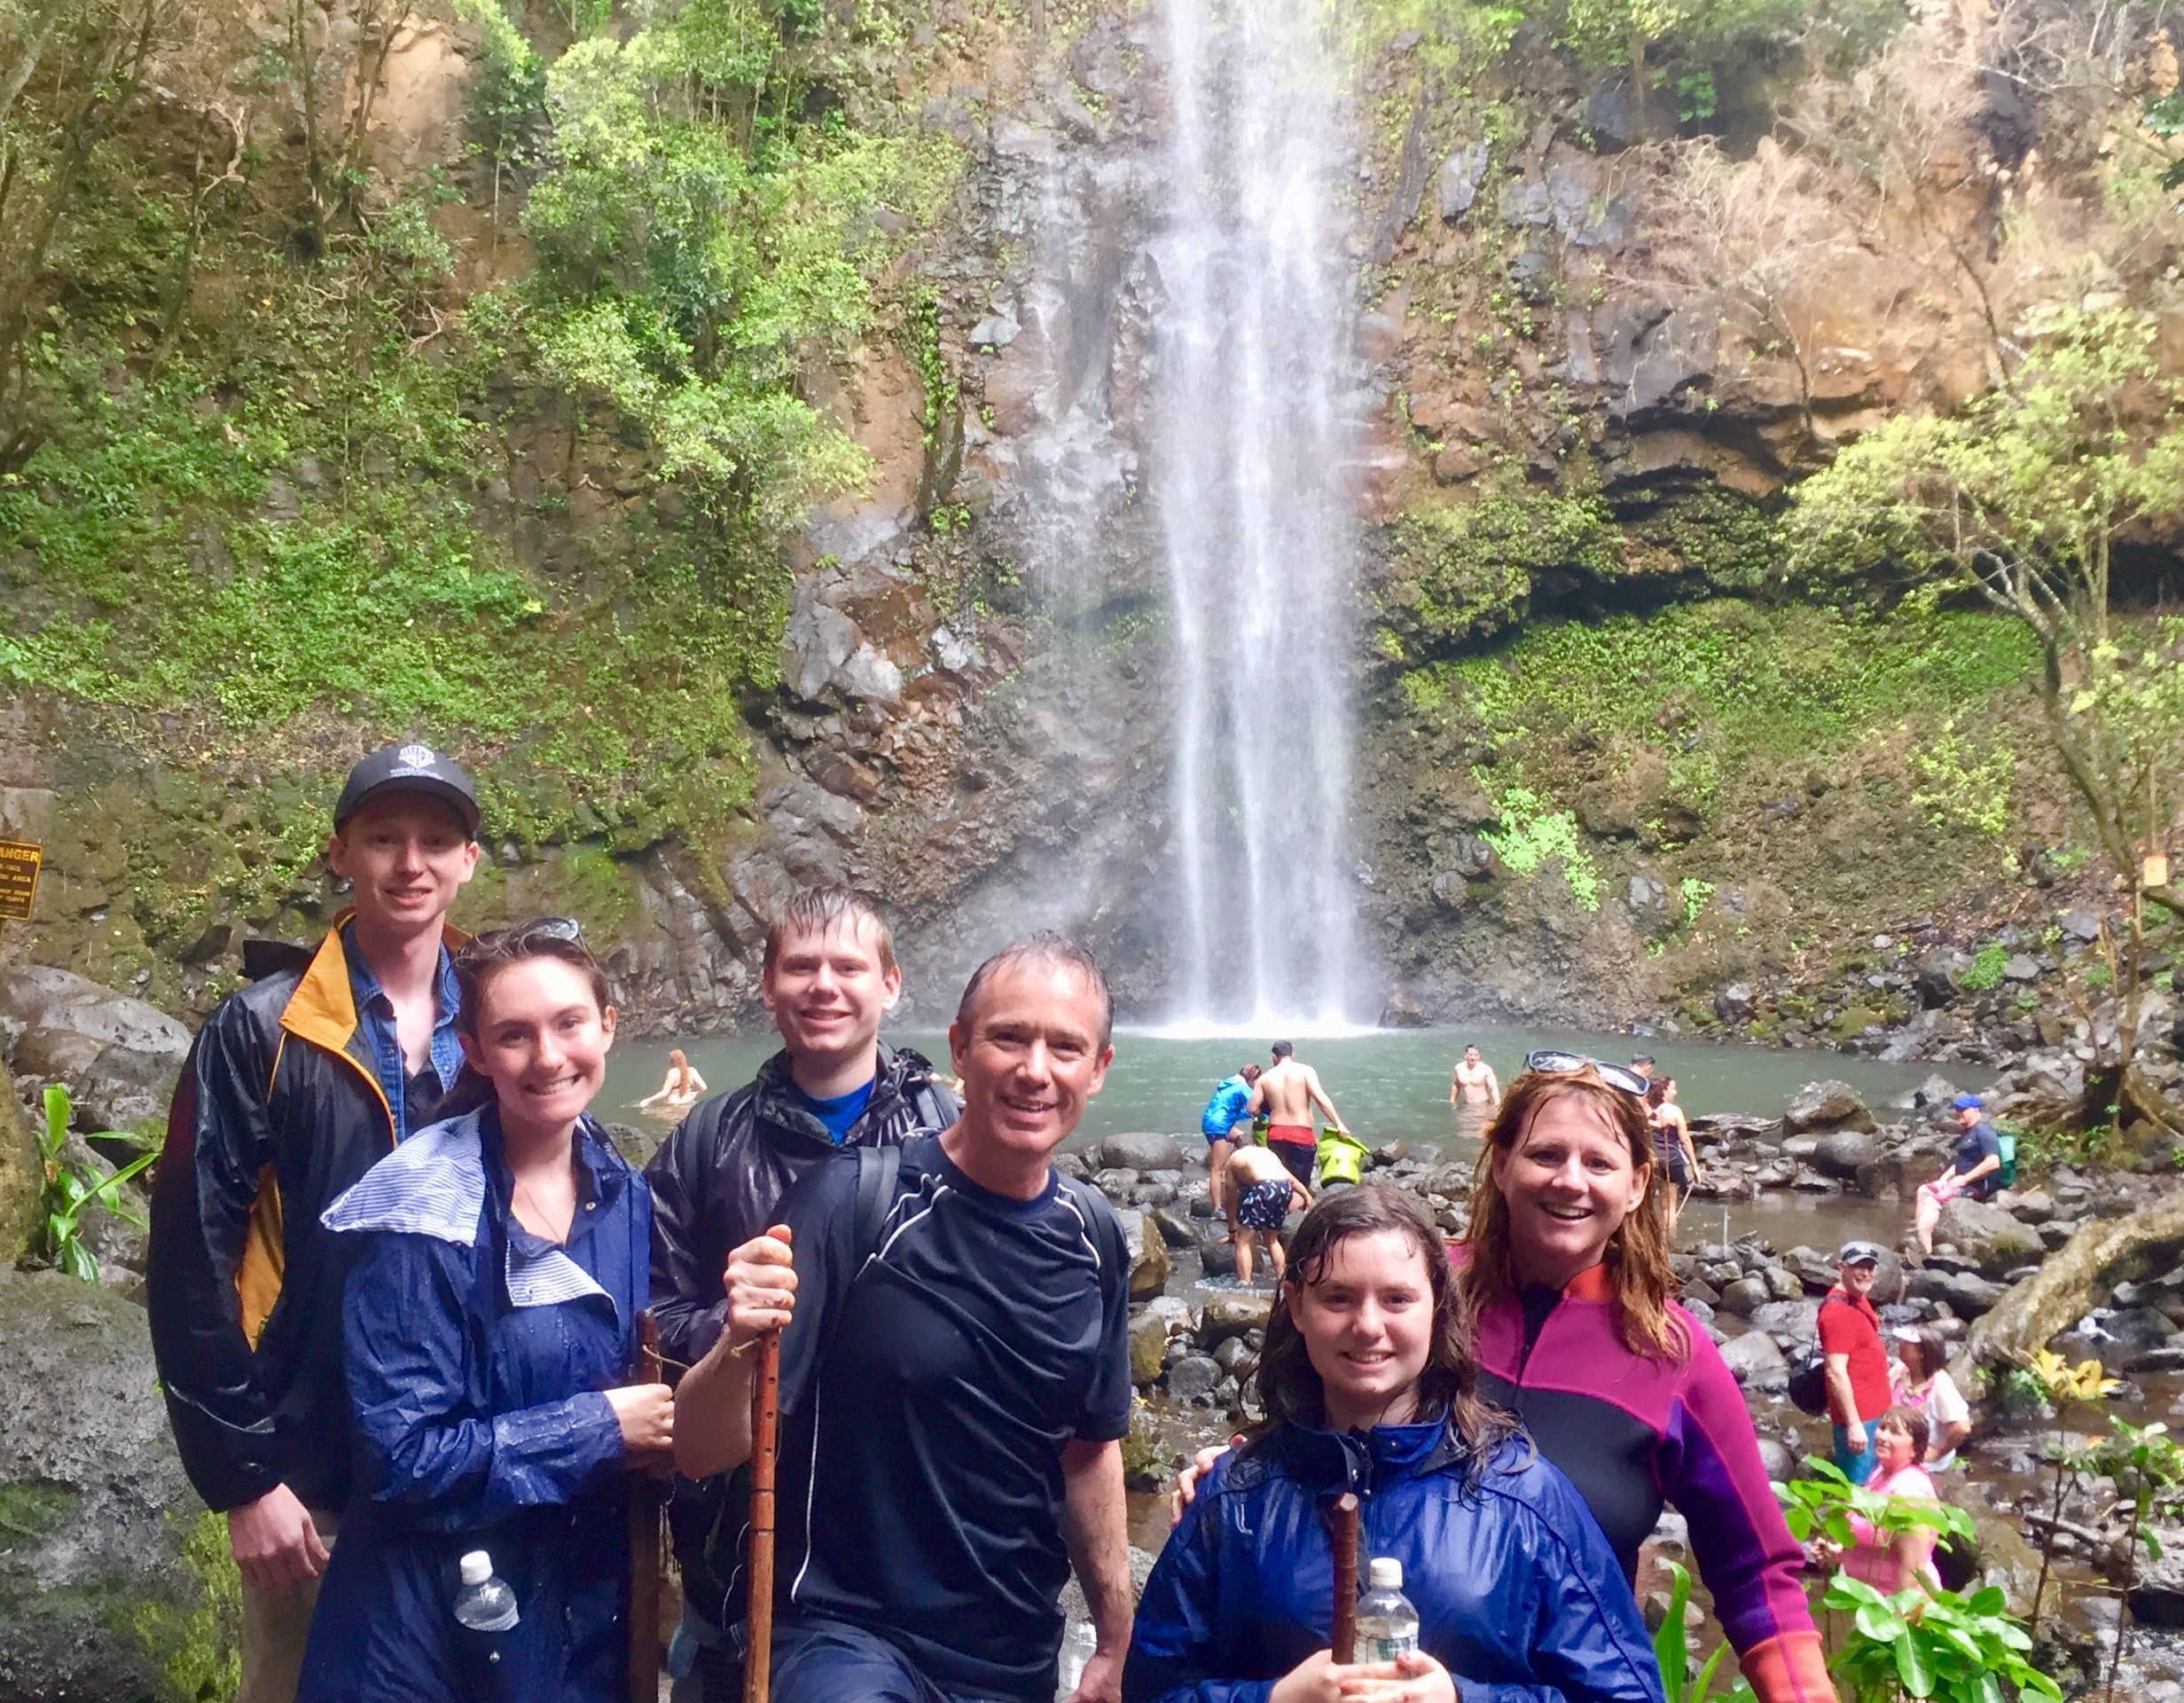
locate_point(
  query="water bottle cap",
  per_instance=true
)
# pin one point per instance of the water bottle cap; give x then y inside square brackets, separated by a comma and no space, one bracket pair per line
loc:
[1385,1574]
[478,1567]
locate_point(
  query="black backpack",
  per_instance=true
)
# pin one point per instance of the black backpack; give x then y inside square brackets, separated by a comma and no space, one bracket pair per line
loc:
[1808,1373]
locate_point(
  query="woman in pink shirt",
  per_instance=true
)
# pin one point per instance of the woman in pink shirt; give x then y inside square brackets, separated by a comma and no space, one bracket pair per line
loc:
[1894,1563]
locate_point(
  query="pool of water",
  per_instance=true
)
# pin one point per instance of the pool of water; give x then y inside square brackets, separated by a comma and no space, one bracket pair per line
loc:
[1388,1085]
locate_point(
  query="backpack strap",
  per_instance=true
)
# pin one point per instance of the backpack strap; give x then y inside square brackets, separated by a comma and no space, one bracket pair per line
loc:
[878,1169]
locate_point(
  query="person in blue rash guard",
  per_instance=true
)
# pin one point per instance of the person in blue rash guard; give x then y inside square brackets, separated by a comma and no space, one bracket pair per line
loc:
[1367,1382]
[488,1322]
[1229,1107]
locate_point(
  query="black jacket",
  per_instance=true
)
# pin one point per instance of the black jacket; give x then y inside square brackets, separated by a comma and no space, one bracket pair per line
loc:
[716,1183]
[279,1110]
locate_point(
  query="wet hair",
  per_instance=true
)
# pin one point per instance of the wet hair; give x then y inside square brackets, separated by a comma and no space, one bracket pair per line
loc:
[1282,1050]
[1637,1254]
[1913,1422]
[675,1057]
[1055,951]
[543,936]
[1641,1058]
[816,910]
[1290,1385]
[1251,1072]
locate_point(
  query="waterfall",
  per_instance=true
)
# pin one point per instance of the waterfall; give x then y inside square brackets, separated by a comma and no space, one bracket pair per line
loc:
[1257,416]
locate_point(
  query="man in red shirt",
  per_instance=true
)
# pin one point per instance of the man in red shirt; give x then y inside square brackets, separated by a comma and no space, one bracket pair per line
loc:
[1856,1364]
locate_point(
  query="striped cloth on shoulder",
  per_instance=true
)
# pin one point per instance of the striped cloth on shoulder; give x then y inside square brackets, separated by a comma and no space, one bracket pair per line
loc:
[434,1184]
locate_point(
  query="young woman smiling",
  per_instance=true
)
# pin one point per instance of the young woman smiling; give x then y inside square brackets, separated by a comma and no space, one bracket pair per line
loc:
[1369,1389]
[500,1264]
[1566,1279]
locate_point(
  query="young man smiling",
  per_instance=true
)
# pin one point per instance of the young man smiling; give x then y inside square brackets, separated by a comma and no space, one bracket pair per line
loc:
[829,976]
[952,1400]
[294,1087]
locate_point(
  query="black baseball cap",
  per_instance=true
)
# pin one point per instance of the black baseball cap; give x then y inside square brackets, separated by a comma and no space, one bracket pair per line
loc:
[409,767]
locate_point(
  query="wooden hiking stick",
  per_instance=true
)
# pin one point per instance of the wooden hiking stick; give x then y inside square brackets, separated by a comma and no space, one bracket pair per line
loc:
[765,1423]
[1343,1519]
[645,1502]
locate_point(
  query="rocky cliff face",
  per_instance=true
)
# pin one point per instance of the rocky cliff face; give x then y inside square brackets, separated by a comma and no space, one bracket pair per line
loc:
[1595,363]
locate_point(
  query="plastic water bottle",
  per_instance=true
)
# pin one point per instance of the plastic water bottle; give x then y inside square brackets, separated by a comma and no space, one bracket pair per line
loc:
[1386,1623]
[485,1603]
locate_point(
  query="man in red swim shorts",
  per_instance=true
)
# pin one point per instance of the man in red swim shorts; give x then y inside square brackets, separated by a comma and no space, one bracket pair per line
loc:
[1287,1094]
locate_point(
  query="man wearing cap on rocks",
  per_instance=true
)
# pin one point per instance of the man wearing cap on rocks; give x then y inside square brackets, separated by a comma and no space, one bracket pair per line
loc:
[294,1089]
[1977,1171]
[1855,1363]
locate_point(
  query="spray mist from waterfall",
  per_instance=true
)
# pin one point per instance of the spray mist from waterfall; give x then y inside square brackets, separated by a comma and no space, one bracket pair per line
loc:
[1258,418]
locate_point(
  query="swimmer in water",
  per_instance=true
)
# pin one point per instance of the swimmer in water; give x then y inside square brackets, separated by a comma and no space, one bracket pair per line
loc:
[680,1088]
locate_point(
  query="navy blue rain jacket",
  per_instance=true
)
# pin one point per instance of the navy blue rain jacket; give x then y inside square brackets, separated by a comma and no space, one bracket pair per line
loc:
[1518,1595]
[477,1356]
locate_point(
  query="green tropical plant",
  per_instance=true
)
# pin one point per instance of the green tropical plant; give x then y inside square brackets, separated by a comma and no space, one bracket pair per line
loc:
[69,1191]
[1823,1505]
[1940,1644]
[1671,1649]
[2065,1386]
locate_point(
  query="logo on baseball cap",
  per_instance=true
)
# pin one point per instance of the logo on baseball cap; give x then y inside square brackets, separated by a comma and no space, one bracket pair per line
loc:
[410,768]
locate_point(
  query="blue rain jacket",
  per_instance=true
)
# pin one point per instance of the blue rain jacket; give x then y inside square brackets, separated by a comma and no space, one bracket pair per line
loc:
[1518,1595]
[476,1358]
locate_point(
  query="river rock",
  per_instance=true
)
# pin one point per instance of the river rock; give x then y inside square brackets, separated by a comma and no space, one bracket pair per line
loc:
[1841,1152]
[1788,1320]
[1148,1348]
[1148,1256]
[1743,1296]
[1968,1294]
[1193,1375]
[1826,1105]
[1217,1257]
[1176,1229]
[116,1583]
[1141,1152]
[1783,1284]
[1987,1236]
[118,1055]
[1116,1183]
[1757,1363]
[1233,1315]
[1234,1352]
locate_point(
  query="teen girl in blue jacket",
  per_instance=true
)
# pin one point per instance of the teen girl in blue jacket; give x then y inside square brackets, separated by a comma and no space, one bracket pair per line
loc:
[488,1325]
[1366,1381]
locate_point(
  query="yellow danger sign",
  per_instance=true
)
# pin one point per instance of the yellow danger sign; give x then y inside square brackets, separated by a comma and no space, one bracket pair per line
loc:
[20,863]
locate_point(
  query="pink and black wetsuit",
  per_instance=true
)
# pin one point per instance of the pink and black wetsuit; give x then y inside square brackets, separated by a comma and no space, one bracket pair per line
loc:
[1632,1432]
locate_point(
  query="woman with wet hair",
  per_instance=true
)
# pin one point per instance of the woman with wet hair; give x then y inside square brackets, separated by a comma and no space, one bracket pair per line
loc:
[1566,1279]
[501,1258]
[1368,1387]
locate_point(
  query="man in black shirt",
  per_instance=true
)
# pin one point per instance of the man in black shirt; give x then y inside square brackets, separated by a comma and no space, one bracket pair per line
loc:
[952,1397]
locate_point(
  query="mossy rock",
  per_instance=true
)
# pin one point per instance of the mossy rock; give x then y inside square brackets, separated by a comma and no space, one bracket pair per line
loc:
[115,1582]
[22,1177]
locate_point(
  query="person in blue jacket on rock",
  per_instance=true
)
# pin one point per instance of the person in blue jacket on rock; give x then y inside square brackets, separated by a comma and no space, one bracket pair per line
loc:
[1366,1381]
[489,1324]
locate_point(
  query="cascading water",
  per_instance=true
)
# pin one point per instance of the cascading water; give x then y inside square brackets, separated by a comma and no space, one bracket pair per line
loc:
[1258,415]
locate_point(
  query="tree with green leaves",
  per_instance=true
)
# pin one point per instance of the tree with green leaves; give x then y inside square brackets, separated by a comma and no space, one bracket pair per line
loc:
[1690,35]
[2024,496]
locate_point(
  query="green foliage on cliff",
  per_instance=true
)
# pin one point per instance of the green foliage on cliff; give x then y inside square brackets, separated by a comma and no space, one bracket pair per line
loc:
[1531,832]
[1743,680]
[1461,571]
[262,471]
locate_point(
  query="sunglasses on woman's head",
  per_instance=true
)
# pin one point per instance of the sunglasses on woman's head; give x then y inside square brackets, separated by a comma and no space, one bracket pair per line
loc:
[539,928]
[1558,1064]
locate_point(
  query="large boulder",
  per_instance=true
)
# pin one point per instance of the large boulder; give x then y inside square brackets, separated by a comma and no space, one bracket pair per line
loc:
[1141,1152]
[1232,1315]
[1148,1255]
[1989,1237]
[1968,1293]
[1842,1152]
[1757,1362]
[116,1585]
[118,1055]
[1826,1105]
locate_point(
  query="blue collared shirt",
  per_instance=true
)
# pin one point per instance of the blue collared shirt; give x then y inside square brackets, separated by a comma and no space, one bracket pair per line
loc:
[375,1022]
